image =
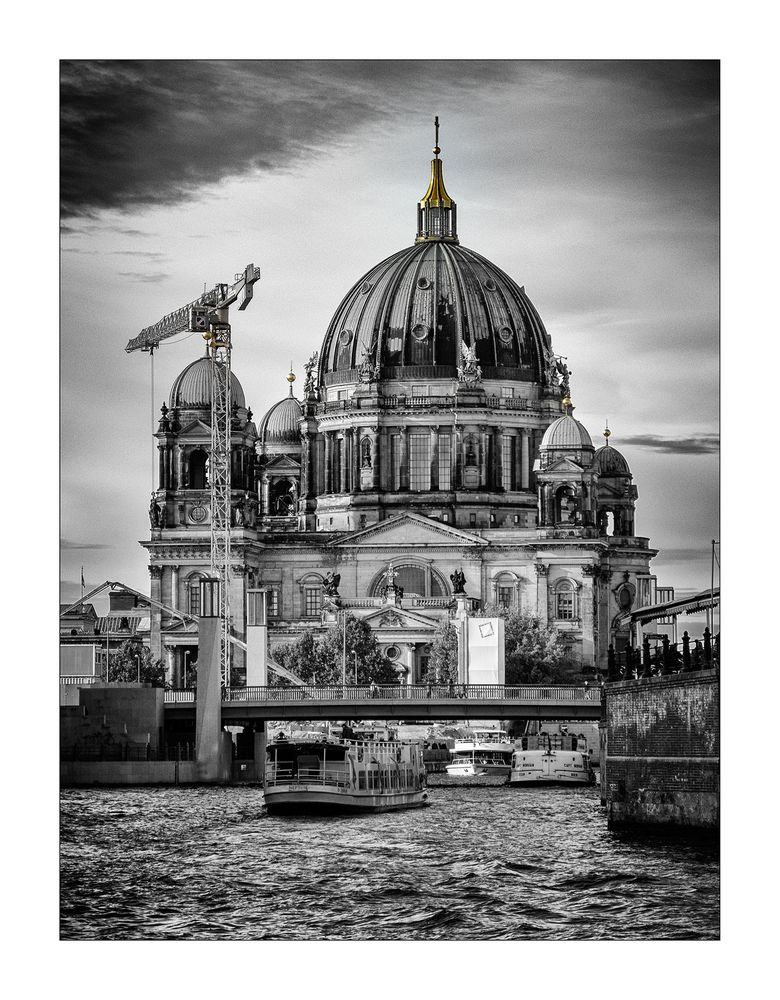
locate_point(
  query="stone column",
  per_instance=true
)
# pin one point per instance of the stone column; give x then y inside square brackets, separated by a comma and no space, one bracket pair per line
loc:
[498,458]
[344,462]
[266,495]
[375,459]
[434,457]
[457,458]
[175,588]
[483,458]
[179,466]
[525,459]
[161,466]
[541,590]
[328,436]
[169,664]
[155,614]
[403,458]
[356,459]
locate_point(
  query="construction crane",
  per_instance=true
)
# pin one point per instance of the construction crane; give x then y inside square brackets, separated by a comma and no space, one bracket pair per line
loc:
[208,315]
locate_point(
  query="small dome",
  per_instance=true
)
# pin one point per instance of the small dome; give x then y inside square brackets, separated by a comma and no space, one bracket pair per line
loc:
[566,434]
[609,462]
[280,424]
[192,388]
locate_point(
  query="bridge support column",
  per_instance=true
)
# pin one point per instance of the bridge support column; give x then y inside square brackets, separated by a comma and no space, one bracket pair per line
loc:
[261,738]
[212,746]
[256,638]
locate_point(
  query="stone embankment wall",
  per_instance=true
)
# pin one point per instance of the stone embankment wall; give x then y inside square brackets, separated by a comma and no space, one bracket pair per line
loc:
[660,761]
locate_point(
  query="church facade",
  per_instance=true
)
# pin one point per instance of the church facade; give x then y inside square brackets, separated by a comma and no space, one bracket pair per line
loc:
[434,447]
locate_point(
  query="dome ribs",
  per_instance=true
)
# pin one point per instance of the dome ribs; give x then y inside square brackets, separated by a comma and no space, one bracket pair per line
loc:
[414,309]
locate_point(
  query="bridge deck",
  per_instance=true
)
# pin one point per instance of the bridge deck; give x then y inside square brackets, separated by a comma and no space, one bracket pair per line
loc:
[474,701]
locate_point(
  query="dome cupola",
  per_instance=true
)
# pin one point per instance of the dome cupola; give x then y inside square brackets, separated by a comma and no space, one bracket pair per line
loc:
[279,426]
[608,461]
[192,387]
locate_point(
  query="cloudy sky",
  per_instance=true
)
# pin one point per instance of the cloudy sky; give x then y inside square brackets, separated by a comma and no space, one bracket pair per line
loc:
[593,184]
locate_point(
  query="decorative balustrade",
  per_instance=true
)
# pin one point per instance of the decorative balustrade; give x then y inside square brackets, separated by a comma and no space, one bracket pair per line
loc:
[83,681]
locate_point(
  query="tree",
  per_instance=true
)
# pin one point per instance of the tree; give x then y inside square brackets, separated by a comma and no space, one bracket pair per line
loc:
[124,665]
[320,660]
[443,662]
[535,653]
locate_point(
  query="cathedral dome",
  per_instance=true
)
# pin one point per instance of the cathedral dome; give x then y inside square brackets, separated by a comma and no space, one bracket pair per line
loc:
[609,462]
[566,434]
[411,311]
[192,387]
[409,316]
[280,424]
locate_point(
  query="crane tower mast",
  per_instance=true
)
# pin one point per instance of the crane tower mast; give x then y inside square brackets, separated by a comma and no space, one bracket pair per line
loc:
[209,316]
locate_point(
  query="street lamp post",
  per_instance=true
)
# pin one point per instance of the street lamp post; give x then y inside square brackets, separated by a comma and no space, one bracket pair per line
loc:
[138,664]
[354,654]
[186,654]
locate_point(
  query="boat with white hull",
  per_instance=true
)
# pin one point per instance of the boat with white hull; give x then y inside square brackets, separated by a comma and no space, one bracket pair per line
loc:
[343,775]
[483,751]
[551,760]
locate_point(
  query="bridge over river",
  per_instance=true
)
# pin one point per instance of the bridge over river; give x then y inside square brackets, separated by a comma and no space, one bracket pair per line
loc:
[461,701]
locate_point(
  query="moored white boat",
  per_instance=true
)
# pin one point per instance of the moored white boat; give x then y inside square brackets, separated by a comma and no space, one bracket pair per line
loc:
[551,760]
[343,775]
[483,751]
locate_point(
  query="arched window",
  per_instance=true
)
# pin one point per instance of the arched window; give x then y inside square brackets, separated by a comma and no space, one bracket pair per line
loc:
[193,593]
[416,581]
[505,591]
[198,470]
[565,601]
[311,595]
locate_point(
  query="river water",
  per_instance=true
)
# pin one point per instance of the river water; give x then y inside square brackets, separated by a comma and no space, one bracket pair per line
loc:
[480,863]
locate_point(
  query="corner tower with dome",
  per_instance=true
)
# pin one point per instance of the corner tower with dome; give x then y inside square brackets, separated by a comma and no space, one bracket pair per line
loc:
[435,432]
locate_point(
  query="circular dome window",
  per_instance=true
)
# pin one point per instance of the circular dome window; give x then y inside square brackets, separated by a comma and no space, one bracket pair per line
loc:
[366,287]
[420,332]
[344,337]
[392,652]
[505,335]
[423,283]
[490,285]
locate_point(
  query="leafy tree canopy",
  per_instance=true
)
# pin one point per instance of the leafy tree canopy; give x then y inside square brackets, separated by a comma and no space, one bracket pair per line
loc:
[123,666]
[535,653]
[443,663]
[320,660]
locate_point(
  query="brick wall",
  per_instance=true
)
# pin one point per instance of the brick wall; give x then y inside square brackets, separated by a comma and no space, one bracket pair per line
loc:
[661,761]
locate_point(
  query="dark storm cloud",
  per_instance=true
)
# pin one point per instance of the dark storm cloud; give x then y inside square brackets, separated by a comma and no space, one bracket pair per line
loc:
[149,278]
[701,444]
[139,133]
[67,544]
[684,556]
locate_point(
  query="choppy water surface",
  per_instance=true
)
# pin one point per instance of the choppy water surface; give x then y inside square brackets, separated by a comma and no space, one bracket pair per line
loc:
[480,863]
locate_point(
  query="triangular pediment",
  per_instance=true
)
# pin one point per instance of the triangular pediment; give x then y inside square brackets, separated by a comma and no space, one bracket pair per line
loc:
[409,529]
[391,617]
[195,429]
[282,463]
[563,466]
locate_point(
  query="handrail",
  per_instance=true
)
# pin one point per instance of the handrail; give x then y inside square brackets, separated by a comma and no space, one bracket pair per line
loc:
[405,692]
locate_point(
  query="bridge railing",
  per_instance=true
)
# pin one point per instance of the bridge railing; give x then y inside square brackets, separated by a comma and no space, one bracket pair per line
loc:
[397,693]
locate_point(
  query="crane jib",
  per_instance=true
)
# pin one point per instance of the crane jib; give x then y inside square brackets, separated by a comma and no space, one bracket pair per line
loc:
[178,321]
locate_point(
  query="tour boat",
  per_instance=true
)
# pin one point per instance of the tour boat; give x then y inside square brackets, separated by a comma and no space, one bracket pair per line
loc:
[343,775]
[484,751]
[552,760]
